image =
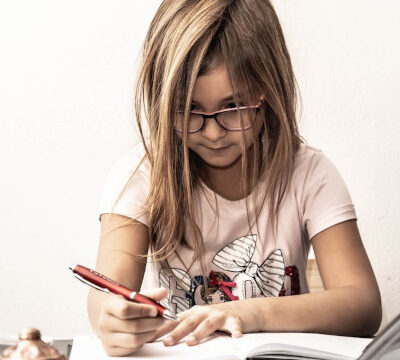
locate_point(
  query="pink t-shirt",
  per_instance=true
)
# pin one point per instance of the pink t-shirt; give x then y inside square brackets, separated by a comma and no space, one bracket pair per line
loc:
[242,261]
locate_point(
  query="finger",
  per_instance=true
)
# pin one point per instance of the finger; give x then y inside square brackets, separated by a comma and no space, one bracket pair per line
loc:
[165,329]
[119,351]
[234,326]
[231,325]
[205,328]
[184,327]
[134,326]
[121,308]
[156,294]
[197,310]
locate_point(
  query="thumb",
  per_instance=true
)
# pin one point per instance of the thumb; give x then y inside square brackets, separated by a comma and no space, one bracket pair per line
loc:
[155,294]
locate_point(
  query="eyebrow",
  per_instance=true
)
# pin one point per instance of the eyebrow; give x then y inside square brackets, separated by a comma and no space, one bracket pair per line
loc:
[229,97]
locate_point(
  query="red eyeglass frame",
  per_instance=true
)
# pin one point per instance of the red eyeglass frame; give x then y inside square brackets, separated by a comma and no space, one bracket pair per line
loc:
[206,115]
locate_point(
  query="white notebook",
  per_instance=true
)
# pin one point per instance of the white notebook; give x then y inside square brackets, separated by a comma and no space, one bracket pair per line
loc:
[223,347]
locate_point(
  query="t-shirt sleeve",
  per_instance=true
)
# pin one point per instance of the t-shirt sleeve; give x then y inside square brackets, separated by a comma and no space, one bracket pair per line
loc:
[326,200]
[128,179]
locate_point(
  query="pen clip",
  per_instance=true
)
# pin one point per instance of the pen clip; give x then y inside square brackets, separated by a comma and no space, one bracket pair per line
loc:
[87,282]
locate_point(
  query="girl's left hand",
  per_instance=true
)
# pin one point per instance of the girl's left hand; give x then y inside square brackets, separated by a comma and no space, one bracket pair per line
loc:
[202,321]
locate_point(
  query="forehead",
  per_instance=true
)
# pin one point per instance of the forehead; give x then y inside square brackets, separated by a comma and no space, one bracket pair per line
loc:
[210,88]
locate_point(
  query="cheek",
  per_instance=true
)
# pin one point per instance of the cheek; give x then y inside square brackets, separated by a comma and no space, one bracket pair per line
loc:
[248,137]
[256,130]
[192,139]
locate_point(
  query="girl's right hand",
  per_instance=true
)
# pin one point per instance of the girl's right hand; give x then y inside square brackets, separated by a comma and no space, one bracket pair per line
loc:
[124,326]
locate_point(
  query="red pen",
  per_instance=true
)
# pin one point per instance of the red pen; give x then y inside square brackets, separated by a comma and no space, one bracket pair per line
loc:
[103,283]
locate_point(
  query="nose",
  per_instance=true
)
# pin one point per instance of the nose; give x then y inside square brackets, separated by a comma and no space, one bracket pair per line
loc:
[212,130]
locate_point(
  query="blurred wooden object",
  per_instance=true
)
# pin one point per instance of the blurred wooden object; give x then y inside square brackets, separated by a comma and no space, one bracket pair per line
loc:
[313,278]
[31,347]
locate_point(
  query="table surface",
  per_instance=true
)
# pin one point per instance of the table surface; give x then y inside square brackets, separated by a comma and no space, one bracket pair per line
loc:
[63,346]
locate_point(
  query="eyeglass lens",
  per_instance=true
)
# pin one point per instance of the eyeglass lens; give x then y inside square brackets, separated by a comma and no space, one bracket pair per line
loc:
[231,120]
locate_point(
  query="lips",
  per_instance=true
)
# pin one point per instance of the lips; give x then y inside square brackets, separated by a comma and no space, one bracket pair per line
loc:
[219,148]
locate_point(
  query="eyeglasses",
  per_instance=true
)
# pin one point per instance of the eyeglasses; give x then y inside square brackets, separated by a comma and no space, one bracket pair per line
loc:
[234,119]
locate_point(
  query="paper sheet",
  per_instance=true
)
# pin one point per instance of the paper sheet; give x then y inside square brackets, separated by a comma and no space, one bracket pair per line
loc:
[89,347]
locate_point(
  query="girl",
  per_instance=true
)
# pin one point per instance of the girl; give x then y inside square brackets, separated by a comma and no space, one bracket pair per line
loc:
[222,183]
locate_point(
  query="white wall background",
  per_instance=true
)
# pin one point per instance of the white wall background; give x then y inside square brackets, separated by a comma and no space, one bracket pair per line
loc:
[66,81]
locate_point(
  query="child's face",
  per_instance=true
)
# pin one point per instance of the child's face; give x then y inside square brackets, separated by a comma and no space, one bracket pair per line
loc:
[216,297]
[216,146]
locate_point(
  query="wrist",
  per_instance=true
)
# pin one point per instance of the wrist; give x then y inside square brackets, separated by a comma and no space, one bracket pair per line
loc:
[253,313]
[259,312]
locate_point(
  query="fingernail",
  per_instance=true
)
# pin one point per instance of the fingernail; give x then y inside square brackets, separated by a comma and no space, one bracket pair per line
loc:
[153,312]
[191,339]
[168,341]
[236,334]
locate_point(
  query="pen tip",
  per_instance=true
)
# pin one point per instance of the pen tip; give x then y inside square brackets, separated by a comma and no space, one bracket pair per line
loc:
[72,267]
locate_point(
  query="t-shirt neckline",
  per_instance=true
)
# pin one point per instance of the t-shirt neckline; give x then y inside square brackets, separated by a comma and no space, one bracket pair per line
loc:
[223,200]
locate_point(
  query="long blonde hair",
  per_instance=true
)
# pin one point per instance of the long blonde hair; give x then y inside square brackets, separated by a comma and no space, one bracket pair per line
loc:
[186,39]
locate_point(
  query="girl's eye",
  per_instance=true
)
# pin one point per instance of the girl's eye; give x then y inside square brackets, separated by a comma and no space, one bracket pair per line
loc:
[230,105]
[233,105]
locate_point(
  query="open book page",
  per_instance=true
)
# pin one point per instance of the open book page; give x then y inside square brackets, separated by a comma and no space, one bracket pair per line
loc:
[319,346]
[215,347]
[223,347]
